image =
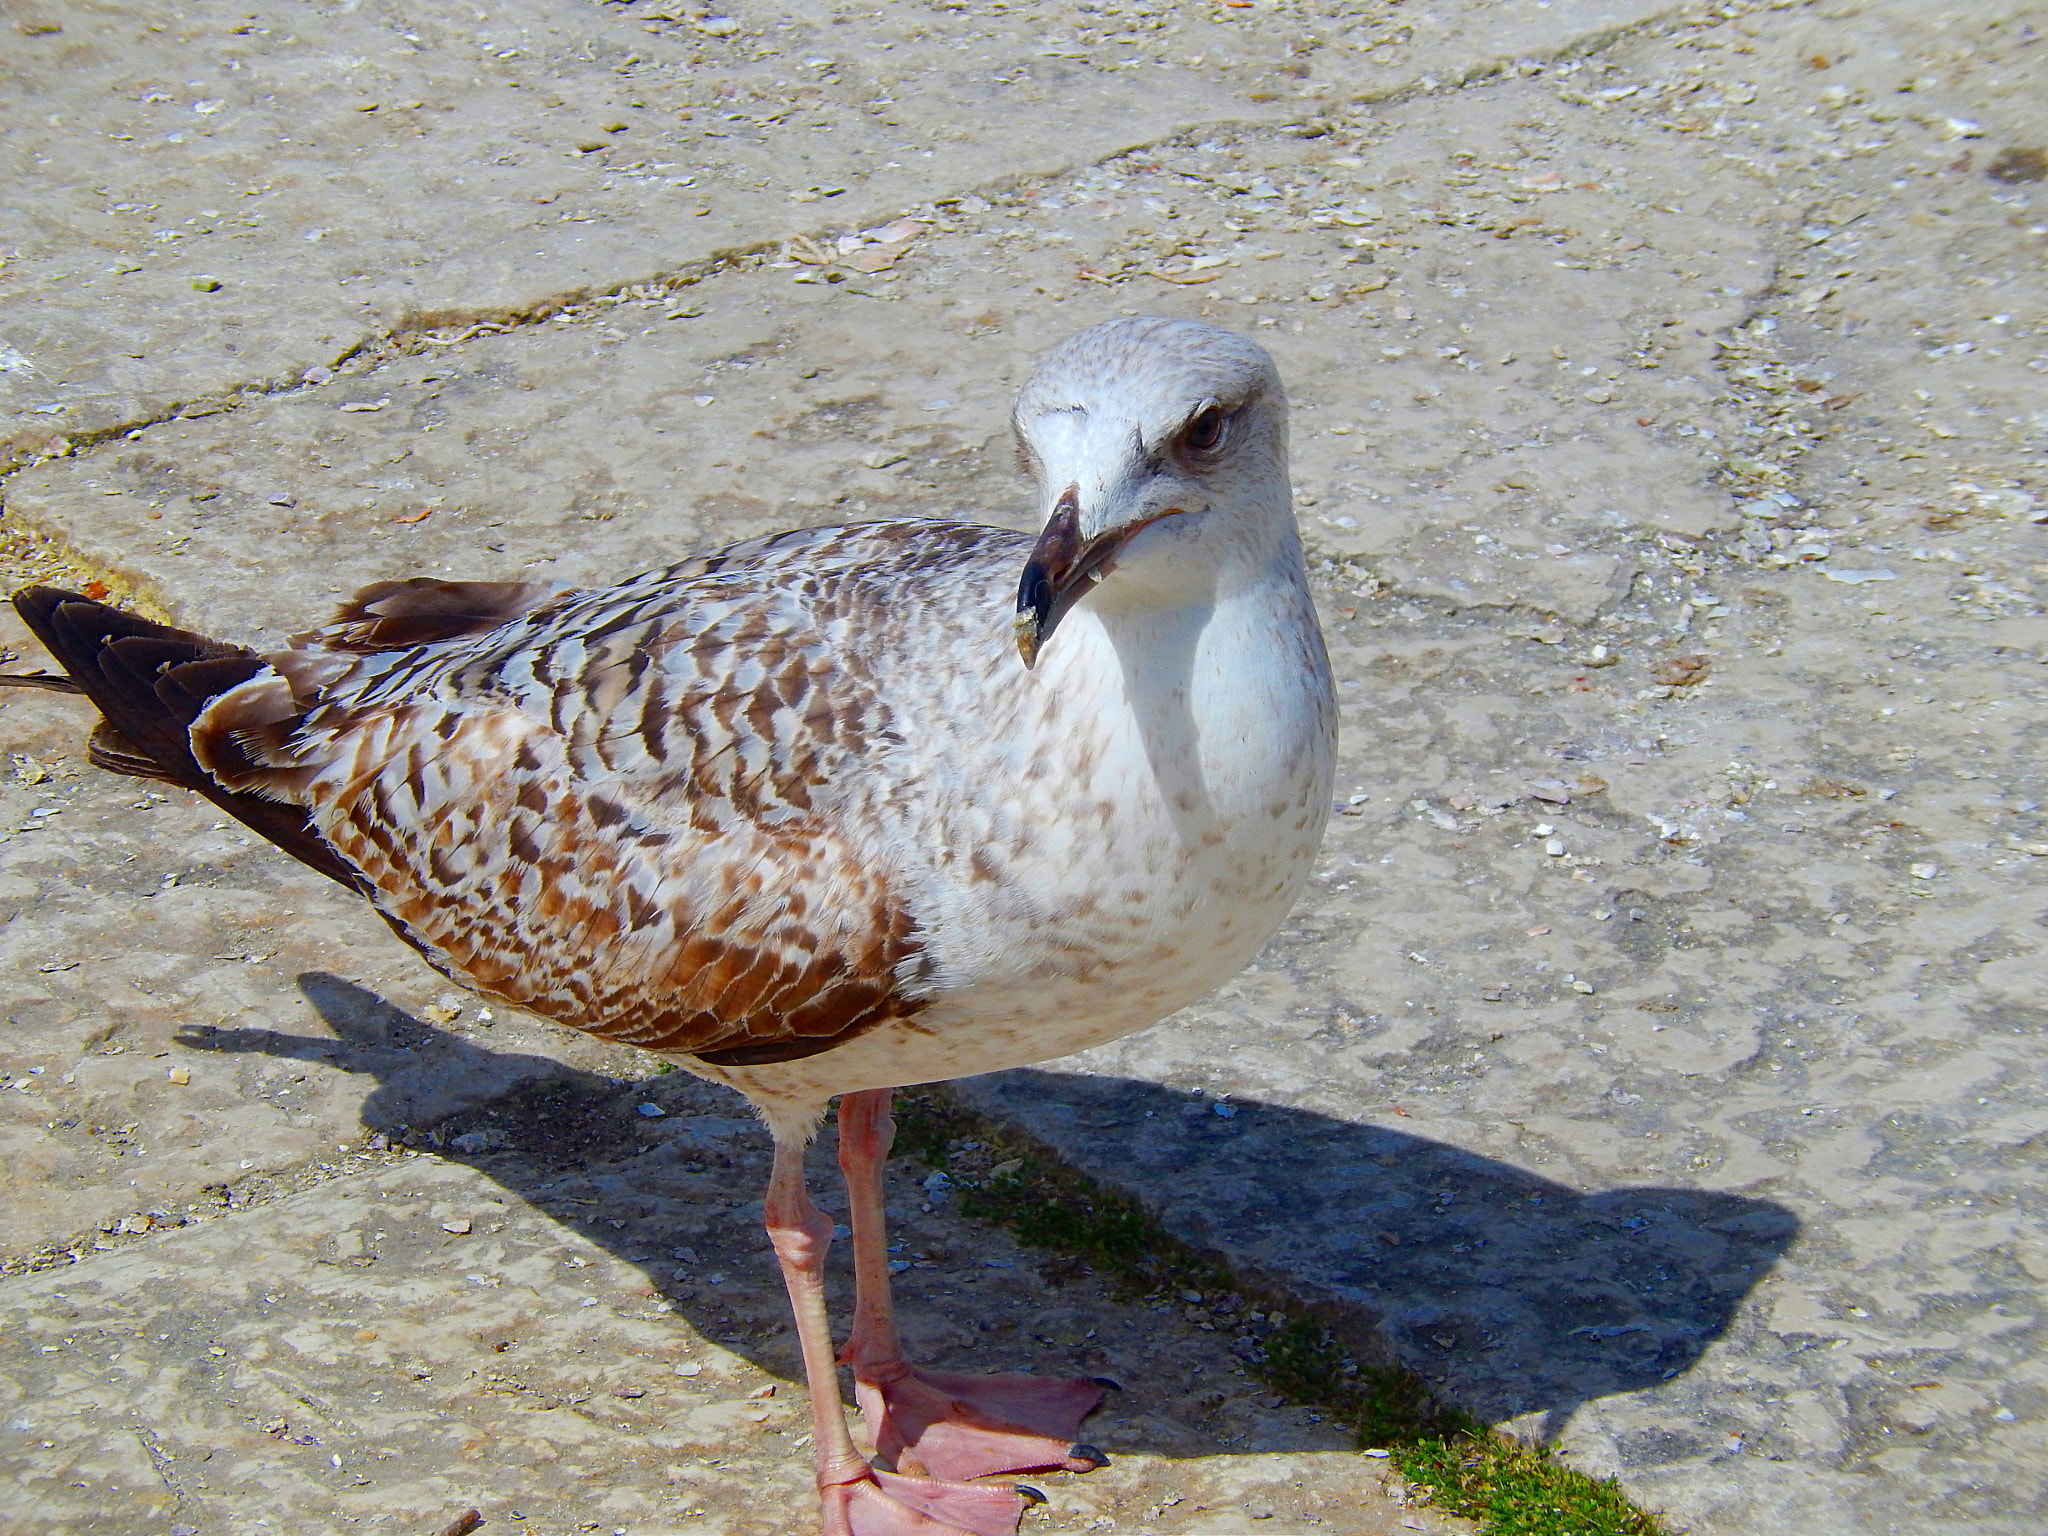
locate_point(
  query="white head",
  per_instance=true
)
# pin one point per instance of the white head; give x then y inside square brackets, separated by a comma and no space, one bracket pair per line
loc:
[1160,448]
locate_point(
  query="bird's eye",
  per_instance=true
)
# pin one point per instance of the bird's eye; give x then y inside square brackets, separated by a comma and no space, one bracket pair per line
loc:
[1205,430]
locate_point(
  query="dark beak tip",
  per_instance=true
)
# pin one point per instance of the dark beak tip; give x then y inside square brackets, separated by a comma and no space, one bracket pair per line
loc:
[1054,577]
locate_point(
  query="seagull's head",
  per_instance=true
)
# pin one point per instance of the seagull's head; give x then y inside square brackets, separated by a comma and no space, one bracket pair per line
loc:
[1150,439]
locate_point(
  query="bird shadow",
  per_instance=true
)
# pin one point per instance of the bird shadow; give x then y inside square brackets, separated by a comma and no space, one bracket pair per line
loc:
[1510,1294]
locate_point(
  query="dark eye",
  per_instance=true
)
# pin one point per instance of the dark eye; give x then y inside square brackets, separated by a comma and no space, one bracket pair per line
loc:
[1205,431]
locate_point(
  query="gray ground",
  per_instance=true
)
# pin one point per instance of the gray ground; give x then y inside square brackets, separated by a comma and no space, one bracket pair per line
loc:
[1656,1061]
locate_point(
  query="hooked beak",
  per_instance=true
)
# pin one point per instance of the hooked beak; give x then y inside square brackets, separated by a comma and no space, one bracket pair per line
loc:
[1063,569]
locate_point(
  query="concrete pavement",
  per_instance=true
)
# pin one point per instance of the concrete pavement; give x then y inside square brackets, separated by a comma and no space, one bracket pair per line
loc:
[1663,1028]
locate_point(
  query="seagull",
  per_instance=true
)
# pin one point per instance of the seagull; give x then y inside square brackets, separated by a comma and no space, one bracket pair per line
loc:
[826,813]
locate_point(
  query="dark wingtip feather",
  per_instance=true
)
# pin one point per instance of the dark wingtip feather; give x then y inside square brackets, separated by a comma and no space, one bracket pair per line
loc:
[151,682]
[48,681]
[110,750]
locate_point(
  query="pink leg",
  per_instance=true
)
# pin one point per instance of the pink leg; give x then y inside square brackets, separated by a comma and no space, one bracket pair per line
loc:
[855,1499]
[949,1426]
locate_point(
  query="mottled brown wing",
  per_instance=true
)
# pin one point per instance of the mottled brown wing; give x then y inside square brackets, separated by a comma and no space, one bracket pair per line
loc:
[637,811]
[583,902]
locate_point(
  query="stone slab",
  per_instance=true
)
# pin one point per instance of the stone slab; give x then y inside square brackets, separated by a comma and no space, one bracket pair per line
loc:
[325,176]
[568,1342]
[1439,410]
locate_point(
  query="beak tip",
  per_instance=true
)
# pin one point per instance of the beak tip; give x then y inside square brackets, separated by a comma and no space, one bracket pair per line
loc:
[1025,628]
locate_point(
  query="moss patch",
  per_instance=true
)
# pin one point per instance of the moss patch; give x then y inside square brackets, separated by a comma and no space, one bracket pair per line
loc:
[1008,1180]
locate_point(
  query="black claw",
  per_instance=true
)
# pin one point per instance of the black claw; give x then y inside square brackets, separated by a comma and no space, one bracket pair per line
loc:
[1107,1381]
[1088,1453]
[1028,1494]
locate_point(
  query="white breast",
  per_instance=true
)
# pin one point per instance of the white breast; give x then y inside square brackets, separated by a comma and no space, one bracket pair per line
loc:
[1101,842]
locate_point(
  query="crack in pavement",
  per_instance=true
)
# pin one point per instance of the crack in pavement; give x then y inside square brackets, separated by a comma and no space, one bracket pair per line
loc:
[584,301]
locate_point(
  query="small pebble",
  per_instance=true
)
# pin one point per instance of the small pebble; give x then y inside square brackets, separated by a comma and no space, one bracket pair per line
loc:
[459,1227]
[652,1111]
[179,1076]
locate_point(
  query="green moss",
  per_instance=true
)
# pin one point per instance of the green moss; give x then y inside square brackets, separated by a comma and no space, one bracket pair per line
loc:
[1512,1489]
[1519,1490]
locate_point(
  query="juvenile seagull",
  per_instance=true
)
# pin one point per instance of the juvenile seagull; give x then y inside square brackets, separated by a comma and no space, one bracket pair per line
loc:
[826,813]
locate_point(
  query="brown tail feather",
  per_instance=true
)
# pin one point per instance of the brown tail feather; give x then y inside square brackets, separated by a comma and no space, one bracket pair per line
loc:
[151,681]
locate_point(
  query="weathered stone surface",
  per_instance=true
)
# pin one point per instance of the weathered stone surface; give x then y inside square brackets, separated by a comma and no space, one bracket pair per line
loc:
[220,199]
[553,1340]
[1668,437]
[619,437]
